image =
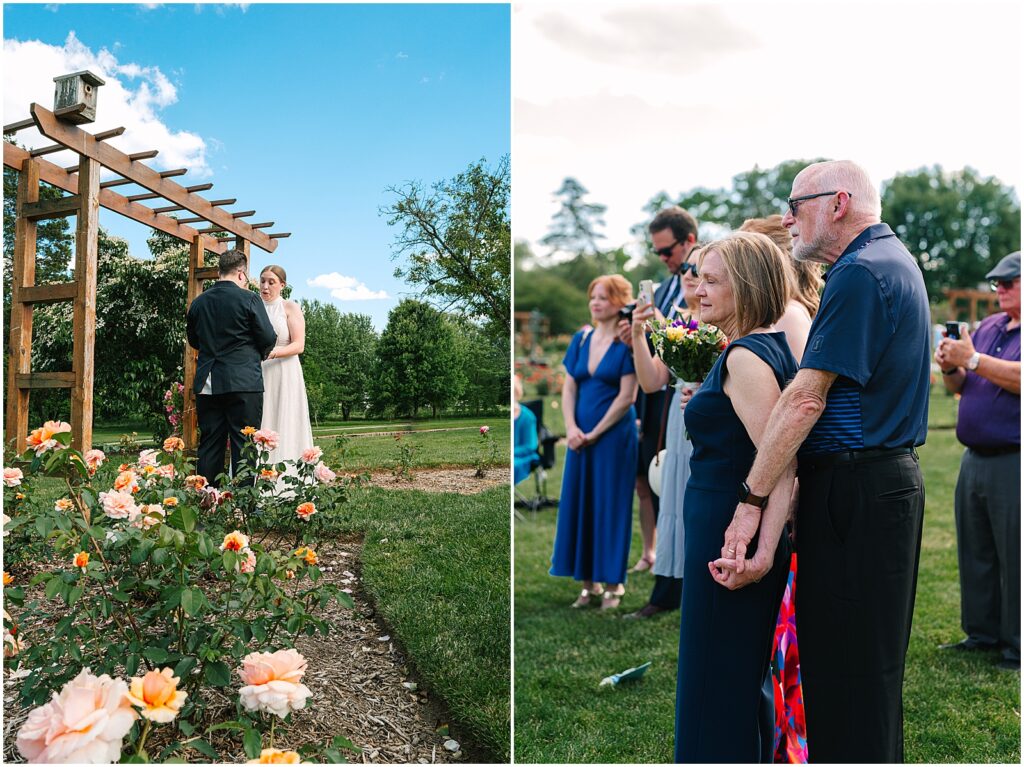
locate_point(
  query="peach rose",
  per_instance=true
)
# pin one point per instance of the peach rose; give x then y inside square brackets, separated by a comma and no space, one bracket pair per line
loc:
[323,473]
[248,563]
[82,560]
[171,501]
[268,473]
[166,470]
[42,439]
[305,510]
[235,541]
[64,504]
[276,756]
[148,458]
[157,694]
[94,459]
[119,505]
[273,682]
[196,481]
[266,438]
[171,444]
[151,515]
[13,477]
[311,455]
[127,480]
[85,723]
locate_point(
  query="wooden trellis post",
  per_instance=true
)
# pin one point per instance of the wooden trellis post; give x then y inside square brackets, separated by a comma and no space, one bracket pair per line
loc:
[87,195]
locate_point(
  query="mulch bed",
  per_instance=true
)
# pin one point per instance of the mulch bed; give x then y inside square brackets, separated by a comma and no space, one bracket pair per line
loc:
[460,480]
[360,682]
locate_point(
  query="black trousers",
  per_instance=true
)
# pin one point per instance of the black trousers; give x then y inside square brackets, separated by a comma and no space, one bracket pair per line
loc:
[222,417]
[859,539]
[667,592]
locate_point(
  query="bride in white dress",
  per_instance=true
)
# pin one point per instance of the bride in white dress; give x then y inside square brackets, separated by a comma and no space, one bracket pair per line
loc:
[285,409]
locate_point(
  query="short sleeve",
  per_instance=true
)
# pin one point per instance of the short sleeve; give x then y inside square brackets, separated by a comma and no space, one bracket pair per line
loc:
[627,368]
[572,354]
[853,326]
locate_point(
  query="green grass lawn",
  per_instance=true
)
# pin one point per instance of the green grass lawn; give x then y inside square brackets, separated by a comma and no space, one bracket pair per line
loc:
[956,709]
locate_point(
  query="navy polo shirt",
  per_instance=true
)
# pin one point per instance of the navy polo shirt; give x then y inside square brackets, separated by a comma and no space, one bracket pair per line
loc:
[872,329]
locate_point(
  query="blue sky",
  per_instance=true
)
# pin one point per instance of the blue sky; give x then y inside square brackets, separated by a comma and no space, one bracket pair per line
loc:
[305,113]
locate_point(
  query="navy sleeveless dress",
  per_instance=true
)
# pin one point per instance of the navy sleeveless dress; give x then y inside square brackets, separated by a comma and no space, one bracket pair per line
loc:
[595,511]
[724,703]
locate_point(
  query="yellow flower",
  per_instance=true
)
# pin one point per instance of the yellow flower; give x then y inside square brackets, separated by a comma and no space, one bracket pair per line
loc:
[81,559]
[171,501]
[249,431]
[19,496]
[675,335]
[8,580]
[157,695]
[276,756]
[307,554]
[64,504]
[235,541]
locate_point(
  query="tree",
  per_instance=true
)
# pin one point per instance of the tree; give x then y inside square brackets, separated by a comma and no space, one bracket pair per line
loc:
[417,361]
[338,361]
[957,224]
[457,240]
[574,228]
[484,363]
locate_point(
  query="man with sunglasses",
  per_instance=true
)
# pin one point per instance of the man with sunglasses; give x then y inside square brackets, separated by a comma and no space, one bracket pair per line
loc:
[851,417]
[985,371]
[673,235]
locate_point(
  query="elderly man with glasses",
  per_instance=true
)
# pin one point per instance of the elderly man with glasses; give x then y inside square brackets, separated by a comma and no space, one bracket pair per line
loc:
[851,418]
[985,371]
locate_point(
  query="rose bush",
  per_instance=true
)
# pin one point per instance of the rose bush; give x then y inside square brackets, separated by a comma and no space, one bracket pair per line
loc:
[153,572]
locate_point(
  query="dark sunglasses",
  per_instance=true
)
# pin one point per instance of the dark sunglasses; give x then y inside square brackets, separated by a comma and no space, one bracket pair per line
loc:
[667,250]
[1004,284]
[794,202]
[689,266]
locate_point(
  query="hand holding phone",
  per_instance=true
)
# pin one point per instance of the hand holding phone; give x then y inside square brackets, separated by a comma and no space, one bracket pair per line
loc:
[953,330]
[646,292]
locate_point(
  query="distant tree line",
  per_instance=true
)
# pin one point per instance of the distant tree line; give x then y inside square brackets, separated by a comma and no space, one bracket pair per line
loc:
[957,224]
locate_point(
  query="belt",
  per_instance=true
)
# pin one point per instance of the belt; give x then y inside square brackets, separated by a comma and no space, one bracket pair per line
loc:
[824,460]
[988,452]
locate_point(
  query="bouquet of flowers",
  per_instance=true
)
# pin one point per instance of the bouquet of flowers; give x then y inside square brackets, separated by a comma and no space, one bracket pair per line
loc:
[687,347]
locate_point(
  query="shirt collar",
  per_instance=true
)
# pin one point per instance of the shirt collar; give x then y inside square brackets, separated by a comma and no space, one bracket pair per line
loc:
[873,232]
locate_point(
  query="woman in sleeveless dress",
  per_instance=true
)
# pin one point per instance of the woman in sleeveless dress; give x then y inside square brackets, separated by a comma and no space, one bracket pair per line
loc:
[595,512]
[724,701]
[285,408]
[652,374]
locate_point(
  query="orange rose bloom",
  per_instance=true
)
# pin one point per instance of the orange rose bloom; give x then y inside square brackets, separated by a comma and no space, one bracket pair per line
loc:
[171,501]
[8,580]
[235,541]
[173,443]
[268,473]
[157,695]
[81,559]
[305,510]
[249,431]
[63,504]
[196,481]
[276,756]
[307,554]
[126,480]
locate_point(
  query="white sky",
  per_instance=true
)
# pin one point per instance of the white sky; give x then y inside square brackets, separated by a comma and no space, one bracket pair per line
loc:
[632,99]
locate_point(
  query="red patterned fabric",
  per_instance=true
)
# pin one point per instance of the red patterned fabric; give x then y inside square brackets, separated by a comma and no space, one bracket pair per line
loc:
[790,725]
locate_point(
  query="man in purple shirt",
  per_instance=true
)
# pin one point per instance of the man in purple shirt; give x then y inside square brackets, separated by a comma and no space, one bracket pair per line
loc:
[985,371]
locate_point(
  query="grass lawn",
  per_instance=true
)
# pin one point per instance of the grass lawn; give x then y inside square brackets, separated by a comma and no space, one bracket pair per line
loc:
[956,709]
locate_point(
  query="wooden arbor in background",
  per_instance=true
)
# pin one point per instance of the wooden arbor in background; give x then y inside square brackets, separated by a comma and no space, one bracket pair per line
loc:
[973,298]
[87,194]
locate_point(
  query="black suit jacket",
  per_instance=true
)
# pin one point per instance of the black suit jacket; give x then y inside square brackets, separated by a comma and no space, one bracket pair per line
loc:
[230,328]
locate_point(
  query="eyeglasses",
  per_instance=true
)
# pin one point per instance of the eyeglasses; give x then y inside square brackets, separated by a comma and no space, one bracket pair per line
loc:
[689,266]
[1004,284]
[794,202]
[666,252]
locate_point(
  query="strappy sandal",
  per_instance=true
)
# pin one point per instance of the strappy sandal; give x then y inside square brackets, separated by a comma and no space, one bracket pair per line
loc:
[611,599]
[642,564]
[583,600]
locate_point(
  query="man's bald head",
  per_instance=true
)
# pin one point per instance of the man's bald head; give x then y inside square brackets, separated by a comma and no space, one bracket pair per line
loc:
[846,176]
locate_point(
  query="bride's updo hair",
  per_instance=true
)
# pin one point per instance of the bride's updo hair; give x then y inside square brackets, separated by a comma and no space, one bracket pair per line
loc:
[276,270]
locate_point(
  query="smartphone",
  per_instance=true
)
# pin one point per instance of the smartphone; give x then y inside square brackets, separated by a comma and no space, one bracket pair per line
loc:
[646,294]
[953,330]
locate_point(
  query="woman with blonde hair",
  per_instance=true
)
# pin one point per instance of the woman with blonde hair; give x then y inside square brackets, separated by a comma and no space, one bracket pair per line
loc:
[805,283]
[595,512]
[285,407]
[731,605]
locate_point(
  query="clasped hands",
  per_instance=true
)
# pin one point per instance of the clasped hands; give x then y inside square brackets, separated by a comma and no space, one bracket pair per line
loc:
[578,439]
[733,570]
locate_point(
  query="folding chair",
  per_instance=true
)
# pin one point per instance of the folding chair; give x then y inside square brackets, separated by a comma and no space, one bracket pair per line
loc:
[546,460]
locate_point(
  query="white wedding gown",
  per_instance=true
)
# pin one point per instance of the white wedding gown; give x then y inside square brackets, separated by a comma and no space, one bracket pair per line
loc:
[285,409]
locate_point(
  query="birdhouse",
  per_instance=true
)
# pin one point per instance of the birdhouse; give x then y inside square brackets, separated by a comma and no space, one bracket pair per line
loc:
[74,99]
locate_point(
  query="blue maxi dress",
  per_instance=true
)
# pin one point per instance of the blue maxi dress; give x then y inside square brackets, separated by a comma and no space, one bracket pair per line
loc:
[724,700]
[595,512]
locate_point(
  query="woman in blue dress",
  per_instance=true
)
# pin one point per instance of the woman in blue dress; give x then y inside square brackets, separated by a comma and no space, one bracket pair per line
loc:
[595,512]
[724,702]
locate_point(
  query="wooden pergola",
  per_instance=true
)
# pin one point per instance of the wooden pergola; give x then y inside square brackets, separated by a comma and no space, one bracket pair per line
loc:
[973,298]
[87,193]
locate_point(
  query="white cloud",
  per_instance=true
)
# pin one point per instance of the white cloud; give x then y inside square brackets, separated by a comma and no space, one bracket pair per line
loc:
[401,55]
[346,288]
[132,97]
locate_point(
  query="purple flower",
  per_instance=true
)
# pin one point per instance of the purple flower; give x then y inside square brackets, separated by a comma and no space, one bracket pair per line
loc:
[694,324]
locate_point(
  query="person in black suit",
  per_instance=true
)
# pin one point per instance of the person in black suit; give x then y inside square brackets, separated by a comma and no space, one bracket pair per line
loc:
[230,328]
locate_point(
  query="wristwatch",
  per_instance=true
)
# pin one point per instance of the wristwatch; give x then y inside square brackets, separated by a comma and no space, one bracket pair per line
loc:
[748,497]
[972,363]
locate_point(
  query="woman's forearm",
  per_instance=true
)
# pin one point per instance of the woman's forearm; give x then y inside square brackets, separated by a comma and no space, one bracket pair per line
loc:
[775,514]
[288,350]
[619,407]
[569,403]
[650,371]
